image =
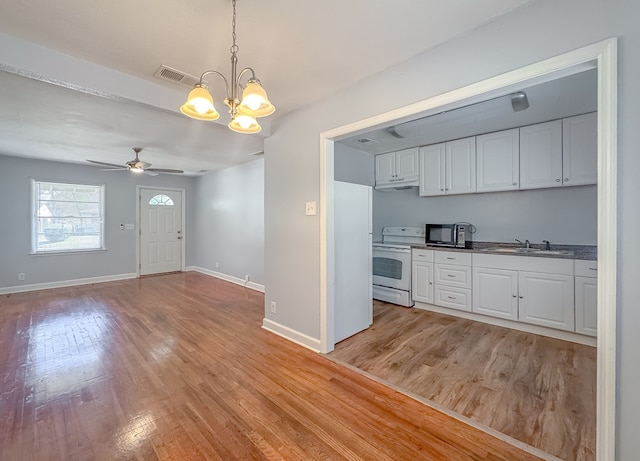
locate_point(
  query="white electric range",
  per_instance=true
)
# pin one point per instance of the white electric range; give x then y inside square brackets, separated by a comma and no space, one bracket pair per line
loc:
[392,264]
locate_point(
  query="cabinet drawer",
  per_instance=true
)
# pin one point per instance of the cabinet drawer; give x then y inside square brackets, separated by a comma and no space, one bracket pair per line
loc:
[422,255]
[453,257]
[586,268]
[455,298]
[453,276]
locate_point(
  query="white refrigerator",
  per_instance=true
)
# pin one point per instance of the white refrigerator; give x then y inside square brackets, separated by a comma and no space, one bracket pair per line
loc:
[353,302]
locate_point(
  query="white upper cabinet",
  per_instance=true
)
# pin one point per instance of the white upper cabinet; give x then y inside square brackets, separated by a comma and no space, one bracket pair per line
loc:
[385,167]
[541,155]
[498,161]
[407,164]
[559,153]
[432,164]
[580,149]
[448,168]
[397,169]
[460,170]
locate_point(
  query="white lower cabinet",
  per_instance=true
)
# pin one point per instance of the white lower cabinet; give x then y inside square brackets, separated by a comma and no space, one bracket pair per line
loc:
[495,292]
[422,275]
[539,291]
[586,297]
[455,298]
[452,280]
[546,300]
[549,292]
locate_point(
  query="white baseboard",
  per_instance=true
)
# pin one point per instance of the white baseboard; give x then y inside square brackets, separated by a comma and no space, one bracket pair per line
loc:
[66,283]
[228,278]
[535,329]
[292,335]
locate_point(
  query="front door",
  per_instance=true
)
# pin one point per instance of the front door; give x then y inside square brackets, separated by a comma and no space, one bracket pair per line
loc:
[161,233]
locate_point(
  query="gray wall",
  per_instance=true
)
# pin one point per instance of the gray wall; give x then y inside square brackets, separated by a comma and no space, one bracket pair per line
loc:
[539,30]
[229,221]
[120,207]
[353,166]
[566,215]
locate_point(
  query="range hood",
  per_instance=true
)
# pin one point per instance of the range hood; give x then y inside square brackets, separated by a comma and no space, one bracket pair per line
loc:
[400,185]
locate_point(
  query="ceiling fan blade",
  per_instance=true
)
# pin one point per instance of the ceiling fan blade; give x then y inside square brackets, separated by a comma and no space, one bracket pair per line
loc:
[164,170]
[114,169]
[104,163]
[149,173]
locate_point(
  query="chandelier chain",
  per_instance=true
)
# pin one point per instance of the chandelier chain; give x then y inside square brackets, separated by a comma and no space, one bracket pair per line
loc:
[234,47]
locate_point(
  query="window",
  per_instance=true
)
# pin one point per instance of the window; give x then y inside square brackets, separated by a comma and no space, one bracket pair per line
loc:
[67,217]
[161,199]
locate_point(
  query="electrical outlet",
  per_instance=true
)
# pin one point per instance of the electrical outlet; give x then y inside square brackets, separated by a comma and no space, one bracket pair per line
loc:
[217,264]
[310,209]
[246,278]
[22,276]
[273,307]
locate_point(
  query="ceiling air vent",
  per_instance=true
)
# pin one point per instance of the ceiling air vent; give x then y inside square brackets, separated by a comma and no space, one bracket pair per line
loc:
[365,140]
[176,76]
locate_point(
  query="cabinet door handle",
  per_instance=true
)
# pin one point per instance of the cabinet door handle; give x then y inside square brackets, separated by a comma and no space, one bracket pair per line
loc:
[515,296]
[558,180]
[515,184]
[521,297]
[566,179]
[430,283]
[593,268]
[449,257]
[451,297]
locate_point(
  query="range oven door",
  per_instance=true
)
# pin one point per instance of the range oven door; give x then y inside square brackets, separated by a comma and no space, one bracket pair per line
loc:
[392,267]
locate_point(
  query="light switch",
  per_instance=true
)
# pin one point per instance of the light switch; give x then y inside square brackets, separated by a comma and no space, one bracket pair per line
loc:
[129,226]
[311,209]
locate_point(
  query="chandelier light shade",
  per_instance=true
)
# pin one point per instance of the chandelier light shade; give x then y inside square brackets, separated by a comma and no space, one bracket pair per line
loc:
[254,102]
[199,104]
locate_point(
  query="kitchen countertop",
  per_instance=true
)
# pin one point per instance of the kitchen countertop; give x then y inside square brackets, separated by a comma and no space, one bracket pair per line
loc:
[585,252]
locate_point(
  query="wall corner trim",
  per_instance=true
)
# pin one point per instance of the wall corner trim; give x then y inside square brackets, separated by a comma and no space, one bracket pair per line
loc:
[292,335]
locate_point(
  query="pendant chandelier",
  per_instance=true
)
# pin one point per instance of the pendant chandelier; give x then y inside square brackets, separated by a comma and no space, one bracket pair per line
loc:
[254,102]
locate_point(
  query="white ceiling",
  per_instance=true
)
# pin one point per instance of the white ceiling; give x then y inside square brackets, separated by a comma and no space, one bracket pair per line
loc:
[301,51]
[574,92]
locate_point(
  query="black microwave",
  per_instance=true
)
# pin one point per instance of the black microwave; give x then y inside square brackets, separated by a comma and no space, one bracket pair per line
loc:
[448,235]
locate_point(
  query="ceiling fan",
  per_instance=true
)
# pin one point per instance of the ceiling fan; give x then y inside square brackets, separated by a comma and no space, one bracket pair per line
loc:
[136,166]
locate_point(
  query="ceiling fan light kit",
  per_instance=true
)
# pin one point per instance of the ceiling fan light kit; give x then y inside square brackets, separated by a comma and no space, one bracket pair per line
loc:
[254,102]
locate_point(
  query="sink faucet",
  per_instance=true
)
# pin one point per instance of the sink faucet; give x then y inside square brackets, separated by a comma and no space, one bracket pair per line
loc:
[526,243]
[547,245]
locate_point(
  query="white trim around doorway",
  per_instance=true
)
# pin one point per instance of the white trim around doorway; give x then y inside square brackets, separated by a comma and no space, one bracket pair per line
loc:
[139,189]
[604,53]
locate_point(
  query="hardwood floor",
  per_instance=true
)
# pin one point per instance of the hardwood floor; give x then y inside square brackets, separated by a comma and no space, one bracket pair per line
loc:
[177,367]
[538,390]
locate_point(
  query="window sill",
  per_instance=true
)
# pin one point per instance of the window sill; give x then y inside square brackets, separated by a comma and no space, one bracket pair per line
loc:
[67,252]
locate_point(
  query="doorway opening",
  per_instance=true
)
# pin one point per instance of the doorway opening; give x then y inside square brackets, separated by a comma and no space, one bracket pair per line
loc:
[603,56]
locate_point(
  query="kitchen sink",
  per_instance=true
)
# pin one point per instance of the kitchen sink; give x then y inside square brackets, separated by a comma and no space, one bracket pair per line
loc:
[530,251]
